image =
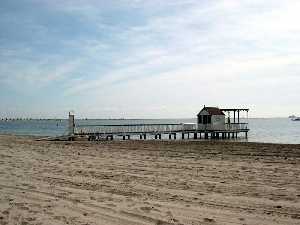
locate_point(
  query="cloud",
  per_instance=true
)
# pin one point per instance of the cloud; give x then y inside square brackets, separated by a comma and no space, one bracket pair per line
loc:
[38,75]
[175,49]
[204,35]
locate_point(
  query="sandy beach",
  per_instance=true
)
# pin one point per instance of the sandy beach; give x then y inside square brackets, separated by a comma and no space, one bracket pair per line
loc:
[148,182]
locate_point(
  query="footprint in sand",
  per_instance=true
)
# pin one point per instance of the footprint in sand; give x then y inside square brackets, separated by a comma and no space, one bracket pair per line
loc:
[146,208]
[209,220]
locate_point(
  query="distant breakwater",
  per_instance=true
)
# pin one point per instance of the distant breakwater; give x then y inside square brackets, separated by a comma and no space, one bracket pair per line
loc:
[24,119]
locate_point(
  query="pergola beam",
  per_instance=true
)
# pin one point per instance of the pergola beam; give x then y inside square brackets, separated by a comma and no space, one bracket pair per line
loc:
[233,110]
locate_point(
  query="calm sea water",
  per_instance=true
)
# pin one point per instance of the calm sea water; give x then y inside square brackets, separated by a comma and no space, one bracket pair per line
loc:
[275,130]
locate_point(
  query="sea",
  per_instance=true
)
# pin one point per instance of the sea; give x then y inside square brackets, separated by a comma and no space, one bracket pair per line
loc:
[265,130]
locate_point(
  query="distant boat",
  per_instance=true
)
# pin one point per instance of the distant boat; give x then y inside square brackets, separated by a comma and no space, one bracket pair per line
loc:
[294,118]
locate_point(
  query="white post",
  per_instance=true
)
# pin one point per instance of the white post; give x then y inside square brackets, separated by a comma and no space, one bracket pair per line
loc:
[71,124]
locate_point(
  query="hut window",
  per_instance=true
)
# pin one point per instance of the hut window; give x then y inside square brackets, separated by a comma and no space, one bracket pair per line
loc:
[209,119]
[199,119]
[204,119]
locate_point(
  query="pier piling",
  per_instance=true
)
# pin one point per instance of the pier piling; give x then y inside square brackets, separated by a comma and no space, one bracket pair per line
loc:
[206,135]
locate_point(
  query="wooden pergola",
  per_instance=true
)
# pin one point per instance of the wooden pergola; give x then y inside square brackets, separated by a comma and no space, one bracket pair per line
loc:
[236,110]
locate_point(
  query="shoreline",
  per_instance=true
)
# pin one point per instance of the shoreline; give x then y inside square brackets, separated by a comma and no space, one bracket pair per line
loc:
[241,140]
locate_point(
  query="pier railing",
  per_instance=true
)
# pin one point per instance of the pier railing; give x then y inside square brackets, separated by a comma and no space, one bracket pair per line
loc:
[128,128]
[236,126]
[223,127]
[156,128]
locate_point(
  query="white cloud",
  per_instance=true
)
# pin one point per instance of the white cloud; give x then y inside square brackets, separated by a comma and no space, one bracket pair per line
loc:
[182,54]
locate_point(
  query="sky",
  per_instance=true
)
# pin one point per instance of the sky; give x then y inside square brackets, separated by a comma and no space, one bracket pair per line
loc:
[148,58]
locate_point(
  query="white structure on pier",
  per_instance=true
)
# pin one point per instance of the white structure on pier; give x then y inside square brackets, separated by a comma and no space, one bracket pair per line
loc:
[211,118]
[214,119]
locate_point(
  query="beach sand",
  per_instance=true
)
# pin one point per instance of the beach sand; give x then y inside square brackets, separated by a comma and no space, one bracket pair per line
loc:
[148,182]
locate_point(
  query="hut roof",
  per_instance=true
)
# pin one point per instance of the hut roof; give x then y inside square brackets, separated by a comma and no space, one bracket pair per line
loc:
[212,111]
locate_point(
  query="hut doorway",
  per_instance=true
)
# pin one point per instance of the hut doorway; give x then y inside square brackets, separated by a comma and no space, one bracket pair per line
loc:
[207,119]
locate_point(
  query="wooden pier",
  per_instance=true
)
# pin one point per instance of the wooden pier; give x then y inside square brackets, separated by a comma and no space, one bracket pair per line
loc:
[157,131]
[211,125]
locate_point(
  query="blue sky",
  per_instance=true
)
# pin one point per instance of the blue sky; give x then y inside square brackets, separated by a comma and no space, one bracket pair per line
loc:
[148,59]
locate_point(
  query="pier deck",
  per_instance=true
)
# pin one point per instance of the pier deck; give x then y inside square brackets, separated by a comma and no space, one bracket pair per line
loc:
[159,131]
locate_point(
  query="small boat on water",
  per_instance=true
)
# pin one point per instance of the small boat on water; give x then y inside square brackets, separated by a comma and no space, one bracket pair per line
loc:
[294,118]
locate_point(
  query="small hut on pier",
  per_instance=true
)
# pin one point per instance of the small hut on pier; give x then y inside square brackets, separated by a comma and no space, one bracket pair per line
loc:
[211,118]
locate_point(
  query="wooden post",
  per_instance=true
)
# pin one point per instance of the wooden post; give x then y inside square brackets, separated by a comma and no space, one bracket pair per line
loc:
[206,135]
[182,135]
[234,116]
[195,135]
[71,124]
[174,136]
[170,136]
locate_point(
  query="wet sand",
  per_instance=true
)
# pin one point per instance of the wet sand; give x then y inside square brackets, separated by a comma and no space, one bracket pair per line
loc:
[148,182]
